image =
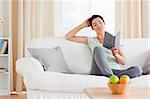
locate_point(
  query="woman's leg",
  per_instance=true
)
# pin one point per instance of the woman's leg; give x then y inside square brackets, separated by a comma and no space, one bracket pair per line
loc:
[100,64]
[132,72]
[95,70]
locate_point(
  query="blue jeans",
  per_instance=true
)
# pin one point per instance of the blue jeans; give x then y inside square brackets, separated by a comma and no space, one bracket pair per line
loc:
[101,67]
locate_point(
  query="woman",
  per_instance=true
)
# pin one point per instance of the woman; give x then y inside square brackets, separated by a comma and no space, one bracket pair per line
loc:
[106,62]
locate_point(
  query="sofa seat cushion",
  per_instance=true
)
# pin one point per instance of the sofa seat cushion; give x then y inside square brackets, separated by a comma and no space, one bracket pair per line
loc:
[142,81]
[54,81]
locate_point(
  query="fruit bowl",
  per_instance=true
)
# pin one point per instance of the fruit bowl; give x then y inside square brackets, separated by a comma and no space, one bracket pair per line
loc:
[119,88]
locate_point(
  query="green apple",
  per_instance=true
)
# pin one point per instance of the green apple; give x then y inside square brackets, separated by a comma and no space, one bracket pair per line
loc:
[114,79]
[125,76]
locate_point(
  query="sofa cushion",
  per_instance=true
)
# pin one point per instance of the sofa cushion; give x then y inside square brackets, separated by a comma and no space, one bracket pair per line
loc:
[146,67]
[52,59]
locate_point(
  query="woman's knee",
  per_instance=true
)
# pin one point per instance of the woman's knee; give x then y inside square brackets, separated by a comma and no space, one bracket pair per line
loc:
[98,49]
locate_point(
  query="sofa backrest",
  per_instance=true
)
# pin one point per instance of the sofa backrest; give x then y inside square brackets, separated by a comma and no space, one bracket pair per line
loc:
[78,56]
[136,51]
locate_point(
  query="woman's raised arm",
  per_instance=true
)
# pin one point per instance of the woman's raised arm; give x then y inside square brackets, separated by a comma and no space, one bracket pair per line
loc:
[71,35]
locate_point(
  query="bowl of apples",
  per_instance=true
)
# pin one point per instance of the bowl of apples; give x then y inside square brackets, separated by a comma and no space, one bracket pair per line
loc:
[119,85]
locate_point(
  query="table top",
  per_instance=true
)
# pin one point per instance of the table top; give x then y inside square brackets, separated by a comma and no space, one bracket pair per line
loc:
[105,93]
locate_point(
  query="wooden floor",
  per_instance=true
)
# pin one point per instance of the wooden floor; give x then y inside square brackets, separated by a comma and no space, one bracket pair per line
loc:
[14,97]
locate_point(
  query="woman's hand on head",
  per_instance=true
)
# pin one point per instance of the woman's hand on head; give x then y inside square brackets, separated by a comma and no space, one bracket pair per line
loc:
[85,23]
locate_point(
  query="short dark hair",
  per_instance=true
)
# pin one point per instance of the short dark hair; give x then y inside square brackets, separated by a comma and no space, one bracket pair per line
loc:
[93,17]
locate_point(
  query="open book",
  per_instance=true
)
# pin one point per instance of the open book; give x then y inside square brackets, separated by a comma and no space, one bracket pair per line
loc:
[111,40]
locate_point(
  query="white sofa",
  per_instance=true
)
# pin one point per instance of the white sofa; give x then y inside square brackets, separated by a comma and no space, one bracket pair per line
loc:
[54,85]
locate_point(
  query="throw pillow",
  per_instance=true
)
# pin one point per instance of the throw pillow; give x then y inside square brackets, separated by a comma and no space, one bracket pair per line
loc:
[52,59]
[146,67]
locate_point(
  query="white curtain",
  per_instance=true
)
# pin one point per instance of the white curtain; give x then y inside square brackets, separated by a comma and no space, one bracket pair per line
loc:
[38,18]
[35,20]
[133,18]
[20,43]
[72,13]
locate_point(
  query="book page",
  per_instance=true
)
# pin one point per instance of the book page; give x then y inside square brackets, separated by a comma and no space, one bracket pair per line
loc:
[117,40]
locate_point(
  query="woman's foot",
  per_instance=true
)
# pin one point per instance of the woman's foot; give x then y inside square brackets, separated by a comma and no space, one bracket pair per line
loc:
[132,72]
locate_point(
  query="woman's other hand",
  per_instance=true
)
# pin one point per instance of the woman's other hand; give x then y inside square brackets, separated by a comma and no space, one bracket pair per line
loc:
[118,54]
[115,50]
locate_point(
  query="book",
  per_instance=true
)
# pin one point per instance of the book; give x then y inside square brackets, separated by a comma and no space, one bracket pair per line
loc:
[111,41]
[5,45]
[6,51]
[1,43]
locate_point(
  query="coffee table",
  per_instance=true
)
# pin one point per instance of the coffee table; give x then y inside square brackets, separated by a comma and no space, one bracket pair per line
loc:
[105,93]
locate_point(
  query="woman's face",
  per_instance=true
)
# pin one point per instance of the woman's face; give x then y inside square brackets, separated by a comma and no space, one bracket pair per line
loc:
[98,24]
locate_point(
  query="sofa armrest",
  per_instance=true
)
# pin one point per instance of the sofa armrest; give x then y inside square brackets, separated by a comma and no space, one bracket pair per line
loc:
[27,64]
